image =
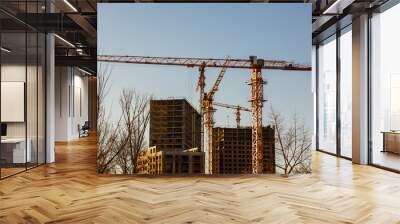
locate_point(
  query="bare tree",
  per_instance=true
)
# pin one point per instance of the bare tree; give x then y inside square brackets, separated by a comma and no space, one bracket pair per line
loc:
[120,142]
[110,138]
[135,116]
[293,145]
[141,112]
[103,126]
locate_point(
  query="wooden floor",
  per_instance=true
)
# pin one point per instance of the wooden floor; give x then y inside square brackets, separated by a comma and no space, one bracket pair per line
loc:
[70,191]
[387,159]
[5,172]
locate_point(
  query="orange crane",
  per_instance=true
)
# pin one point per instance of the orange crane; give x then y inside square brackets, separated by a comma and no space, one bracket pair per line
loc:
[256,83]
[200,87]
[238,108]
[208,110]
[257,102]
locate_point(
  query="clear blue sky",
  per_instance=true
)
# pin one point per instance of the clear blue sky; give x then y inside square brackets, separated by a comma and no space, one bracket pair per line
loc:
[270,31]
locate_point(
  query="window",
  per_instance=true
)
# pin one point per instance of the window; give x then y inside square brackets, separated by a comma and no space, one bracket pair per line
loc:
[327,95]
[22,87]
[346,92]
[385,89]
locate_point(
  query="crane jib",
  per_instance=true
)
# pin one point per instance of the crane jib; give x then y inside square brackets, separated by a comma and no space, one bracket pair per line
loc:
[203,62]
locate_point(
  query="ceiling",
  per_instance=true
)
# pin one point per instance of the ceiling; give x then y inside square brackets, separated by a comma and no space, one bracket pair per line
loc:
[76,21]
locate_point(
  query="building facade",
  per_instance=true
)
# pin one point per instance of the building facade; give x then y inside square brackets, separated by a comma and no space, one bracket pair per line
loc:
[232,150]
[174,125]
[151,161]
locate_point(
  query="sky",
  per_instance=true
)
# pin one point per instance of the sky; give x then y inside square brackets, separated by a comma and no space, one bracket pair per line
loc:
[269,31]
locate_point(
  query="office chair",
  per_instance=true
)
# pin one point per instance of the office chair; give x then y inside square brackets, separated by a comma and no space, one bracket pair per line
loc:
[84,130]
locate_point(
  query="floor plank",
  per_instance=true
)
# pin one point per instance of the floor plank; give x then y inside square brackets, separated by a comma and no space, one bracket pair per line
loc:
[70,191]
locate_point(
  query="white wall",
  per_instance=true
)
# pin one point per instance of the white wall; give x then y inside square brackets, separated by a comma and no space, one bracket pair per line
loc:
[33,126]
[70,83]
[17,73]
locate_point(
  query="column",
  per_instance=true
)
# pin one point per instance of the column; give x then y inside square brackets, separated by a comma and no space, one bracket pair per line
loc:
[360,90]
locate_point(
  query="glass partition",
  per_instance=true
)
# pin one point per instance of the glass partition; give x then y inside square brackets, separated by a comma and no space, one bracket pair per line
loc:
[13,105]
[346,92]
[385,89]
[327,95]
[22,78]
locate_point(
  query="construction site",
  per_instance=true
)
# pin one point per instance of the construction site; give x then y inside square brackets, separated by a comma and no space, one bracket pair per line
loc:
[183,140]
[232,150]
[154,161]
[174,125]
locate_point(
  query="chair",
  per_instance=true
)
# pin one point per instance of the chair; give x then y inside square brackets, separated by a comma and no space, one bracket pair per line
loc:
[84,130]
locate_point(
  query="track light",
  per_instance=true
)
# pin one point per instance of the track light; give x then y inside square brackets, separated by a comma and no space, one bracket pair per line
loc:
[337,7]
[70,5]
[5,50]
[331,7]
[64,40]
[84,71]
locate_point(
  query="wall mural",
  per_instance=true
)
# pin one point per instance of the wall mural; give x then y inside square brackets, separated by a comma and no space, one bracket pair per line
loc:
[182,89]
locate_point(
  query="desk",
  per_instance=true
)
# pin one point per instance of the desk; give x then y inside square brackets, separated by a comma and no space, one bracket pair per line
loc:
[13,150]
[391,141]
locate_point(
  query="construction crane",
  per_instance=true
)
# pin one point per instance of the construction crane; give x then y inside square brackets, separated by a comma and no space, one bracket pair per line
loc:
[256,82]
[206,62]
[238,108]
[257,102]
[208,110]
[200,87]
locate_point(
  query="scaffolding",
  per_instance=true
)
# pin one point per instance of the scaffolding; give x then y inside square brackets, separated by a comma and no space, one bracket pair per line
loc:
[151,161]
[233,150]
[174,125]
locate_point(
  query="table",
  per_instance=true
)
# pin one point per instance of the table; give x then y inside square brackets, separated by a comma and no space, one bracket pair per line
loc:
[13,150]
[391,141]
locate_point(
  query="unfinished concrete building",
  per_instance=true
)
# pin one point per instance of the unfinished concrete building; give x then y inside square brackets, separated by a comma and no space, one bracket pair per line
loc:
[152,161]
[232,150]
[174,125]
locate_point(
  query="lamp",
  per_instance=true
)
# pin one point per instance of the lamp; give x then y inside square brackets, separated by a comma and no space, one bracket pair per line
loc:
[5,50]
[70,5]
[64,40]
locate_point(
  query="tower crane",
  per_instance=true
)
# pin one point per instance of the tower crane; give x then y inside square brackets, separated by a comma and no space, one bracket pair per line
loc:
[256,82]
[208,110]
[200,87]
[238,108]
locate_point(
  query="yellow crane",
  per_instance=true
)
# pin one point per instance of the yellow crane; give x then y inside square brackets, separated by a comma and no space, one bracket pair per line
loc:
[208,112]
[238,108]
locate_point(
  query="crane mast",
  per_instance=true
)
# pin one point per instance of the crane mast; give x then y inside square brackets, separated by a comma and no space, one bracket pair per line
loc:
[200,87]
[209,119]
[257,101]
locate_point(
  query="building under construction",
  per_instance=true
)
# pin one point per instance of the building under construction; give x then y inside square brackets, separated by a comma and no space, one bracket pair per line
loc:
[174,125]
[153,161]
[232,150]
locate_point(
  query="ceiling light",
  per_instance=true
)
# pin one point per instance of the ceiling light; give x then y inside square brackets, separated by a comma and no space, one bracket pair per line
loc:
[84,71]
[70,5]
[65,41]
[337,7]
[5,50]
